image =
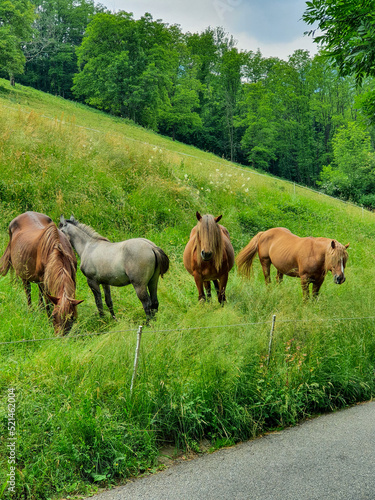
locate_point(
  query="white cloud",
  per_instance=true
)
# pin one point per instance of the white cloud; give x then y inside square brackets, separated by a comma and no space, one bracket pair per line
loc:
[281,50]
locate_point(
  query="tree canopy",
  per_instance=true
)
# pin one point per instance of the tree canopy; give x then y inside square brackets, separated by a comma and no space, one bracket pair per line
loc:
[16,17]
[58,29]
[346,31]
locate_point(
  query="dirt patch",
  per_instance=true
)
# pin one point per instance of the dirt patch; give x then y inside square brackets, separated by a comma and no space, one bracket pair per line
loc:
[169,455]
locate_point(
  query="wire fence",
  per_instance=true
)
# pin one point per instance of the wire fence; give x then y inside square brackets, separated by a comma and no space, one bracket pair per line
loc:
[192,328]
[181,329]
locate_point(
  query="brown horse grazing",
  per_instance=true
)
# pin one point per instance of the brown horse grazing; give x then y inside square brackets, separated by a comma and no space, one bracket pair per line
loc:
[39,253]
[209,256]
[307,258]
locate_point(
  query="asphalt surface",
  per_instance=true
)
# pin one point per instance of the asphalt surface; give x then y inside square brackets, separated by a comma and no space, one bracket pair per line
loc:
[331,457]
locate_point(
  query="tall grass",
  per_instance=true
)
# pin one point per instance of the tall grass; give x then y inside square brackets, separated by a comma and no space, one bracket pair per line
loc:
[203,372]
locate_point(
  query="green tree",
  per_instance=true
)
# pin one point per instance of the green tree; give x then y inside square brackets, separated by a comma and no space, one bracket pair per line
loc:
[352,172]
[51,60]
[179,115]
[259,139]
[346,32]
[127,67]
[204,53]
[16,17]
[219,69]
[279,133]
[231,71]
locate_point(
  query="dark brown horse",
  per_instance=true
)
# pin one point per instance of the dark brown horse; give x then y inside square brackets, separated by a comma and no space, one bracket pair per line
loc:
[39,253]
[209,256]
[307,258]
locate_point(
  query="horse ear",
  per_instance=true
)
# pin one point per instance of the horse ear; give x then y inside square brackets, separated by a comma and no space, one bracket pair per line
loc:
[347,246]
[198,216]
[218,218]
[54,300]
[72,219]
[62,220]
[75,302]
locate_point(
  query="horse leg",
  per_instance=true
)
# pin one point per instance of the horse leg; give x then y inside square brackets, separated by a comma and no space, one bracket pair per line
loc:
[316,287]
[153,290]
[27,287]
[223,283]
[266,267]
[207,286]
[305,283]
[217,287]
[108,299]
[279,277]
[199,284]
[97,295]
[141,291]
[41,295]
[44,304]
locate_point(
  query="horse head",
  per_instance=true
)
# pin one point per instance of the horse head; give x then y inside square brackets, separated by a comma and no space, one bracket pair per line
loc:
[64,226]
[338,257]
[209,238]
[64,313]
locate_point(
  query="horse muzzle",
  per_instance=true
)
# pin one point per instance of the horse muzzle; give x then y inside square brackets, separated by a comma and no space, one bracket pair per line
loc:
[339,279]
[206,255]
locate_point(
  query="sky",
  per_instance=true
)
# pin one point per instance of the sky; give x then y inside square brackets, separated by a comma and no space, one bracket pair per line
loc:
[273,26]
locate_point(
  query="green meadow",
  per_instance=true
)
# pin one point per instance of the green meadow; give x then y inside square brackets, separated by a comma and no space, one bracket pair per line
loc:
[203,373]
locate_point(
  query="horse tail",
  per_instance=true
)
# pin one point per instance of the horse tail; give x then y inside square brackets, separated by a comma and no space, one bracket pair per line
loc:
[246,256]
[162,260]
[5,261]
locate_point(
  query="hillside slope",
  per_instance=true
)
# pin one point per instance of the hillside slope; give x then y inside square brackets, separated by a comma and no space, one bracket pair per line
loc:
[203,371]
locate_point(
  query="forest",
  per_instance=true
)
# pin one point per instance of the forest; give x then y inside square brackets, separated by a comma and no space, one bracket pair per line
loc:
[308,119]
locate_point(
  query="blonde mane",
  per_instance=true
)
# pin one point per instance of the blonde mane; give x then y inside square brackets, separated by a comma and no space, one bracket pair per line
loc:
[209,236]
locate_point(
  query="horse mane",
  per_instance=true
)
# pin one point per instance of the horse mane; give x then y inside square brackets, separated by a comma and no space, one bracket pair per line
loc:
[209,235]
[334,255]
[88,230]
[60,270]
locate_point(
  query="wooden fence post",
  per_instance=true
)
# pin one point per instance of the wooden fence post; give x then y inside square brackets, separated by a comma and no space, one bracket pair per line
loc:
[139,334]
[271,336]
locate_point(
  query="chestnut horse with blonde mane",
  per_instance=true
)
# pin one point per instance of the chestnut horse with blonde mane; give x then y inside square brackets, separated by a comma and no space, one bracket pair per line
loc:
[209,256]
[306,258]
[39,253]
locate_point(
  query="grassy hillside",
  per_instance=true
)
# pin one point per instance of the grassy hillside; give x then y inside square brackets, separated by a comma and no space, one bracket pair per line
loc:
[202,371]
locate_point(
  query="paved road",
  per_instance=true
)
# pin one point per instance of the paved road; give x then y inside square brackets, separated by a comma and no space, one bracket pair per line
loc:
[328,458]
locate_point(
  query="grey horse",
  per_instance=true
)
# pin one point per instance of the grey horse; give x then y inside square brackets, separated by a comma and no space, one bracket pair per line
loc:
[137,261]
